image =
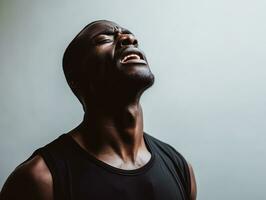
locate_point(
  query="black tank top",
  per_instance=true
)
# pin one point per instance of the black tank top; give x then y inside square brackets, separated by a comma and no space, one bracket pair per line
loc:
[77,175]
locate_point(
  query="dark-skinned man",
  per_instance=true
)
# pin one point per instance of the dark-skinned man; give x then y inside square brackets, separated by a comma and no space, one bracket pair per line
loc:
[108,156]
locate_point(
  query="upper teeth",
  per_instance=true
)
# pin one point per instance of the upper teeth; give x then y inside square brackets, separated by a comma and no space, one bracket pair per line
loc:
[130,56]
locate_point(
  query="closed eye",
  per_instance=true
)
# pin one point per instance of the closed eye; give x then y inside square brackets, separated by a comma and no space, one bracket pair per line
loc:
[102,39]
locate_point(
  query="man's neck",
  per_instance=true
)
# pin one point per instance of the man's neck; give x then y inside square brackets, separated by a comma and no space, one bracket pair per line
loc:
[117,134]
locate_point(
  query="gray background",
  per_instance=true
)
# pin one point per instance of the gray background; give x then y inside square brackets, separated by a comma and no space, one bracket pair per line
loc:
[208,100]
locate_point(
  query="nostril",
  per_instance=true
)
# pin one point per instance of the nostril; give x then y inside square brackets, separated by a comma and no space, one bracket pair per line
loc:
[128,41]
[135,43]
[125,42]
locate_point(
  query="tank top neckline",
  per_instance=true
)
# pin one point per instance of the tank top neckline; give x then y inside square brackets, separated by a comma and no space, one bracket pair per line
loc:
[111,168]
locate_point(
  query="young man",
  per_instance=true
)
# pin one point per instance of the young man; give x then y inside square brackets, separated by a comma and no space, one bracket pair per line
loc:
[108,156]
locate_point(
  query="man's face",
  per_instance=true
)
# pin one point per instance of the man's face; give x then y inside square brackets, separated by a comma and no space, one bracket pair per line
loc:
[114,57]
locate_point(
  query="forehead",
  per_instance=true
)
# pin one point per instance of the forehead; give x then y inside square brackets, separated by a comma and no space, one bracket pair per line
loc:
[101,27]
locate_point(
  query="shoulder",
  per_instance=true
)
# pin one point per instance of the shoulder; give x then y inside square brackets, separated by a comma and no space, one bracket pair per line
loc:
[193,185]
[166,149]
[170,155]
[30,180]
[182,166]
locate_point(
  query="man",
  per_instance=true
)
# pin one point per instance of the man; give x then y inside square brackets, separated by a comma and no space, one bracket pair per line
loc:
[108,156]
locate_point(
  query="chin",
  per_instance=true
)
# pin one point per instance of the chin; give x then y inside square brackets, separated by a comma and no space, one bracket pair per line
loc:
[139,80]
[134,78]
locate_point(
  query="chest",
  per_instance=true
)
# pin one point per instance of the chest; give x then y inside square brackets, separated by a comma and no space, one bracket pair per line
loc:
[156,184]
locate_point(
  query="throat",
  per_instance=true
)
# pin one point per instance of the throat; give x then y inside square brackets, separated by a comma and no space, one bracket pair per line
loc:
[129,118]
[117,133]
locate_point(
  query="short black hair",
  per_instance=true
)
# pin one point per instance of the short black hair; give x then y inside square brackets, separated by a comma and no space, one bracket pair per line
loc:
[74,58]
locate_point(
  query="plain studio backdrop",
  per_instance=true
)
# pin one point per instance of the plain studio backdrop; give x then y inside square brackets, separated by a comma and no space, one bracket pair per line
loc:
[209,96]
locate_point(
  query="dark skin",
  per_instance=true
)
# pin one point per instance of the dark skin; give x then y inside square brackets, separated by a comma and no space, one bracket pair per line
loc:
[112,110]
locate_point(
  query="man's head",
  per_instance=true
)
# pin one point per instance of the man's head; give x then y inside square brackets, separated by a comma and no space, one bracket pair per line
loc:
[103,61]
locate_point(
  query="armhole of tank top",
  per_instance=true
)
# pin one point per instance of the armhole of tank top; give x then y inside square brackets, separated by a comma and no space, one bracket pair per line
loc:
[187,174]
[166,148]
[50,163]
[186,170]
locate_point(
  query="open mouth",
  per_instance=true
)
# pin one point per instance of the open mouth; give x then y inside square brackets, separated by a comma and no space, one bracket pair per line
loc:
[132,57]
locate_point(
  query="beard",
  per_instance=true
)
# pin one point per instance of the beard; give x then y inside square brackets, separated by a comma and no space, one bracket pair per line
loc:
[120,84]
[134,80]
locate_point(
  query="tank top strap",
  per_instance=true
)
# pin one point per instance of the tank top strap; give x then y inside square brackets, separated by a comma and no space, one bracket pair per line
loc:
[180,164]
[57,166]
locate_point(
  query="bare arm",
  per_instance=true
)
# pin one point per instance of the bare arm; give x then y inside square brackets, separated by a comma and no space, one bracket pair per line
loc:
[32,180]
[193,194]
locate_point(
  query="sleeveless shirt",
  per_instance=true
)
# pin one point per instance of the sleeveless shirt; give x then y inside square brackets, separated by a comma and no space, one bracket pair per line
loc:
[77,175]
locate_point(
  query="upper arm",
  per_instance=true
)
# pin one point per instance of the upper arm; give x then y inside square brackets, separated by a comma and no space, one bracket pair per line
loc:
[31,180]
[193,186]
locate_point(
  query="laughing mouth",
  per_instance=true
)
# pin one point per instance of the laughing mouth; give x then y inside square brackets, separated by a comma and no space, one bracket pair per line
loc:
[133,58]
[130,57]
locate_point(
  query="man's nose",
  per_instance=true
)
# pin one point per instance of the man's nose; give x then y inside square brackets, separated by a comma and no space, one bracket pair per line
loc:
[127,40]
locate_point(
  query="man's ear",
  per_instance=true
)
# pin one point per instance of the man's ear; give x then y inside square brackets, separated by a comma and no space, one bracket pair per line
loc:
[72,84]
[75,87]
